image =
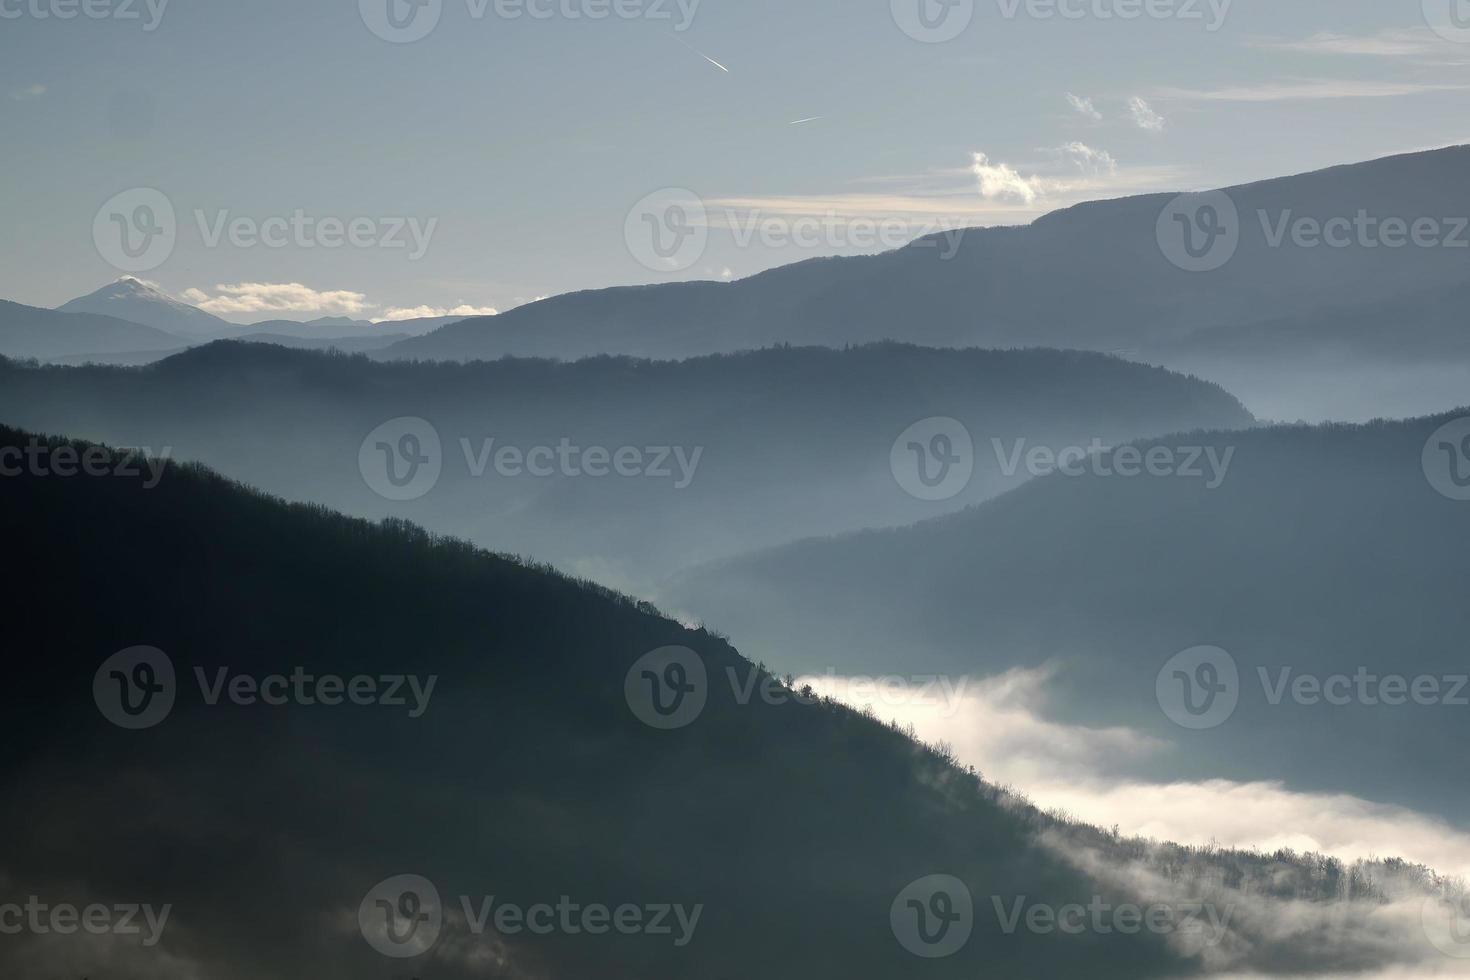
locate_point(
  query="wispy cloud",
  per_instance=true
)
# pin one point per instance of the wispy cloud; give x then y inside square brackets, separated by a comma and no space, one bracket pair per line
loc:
[1308,90]
[1088,160]
[1084,107]
[1417,42]
[28,92]
[998,724]
[1144,116]
[277,297]
[423,312]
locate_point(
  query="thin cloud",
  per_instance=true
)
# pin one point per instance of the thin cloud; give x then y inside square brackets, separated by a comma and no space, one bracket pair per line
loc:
[1307,90]
[28,92]
[1389,43]
[1088,160]
[277,297]
[425,312]
[1084,107]
[1144,116]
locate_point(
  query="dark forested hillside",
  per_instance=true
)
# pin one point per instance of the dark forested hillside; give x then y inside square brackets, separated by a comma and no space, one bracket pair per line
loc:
[527,775]
[1324,550]
[736,452]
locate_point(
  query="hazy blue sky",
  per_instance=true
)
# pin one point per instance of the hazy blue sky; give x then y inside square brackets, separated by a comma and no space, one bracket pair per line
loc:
[527,140]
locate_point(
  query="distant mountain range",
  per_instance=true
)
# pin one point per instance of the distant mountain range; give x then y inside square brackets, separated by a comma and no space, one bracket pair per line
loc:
[1092,276]
[796,838]
[132,322]
[32,332]
[1325,550]
[736,452]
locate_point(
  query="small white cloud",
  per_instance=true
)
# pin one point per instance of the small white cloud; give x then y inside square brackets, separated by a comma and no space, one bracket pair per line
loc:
[1084,106]
[1000,180]
[28,92]
[1144,116]
[425,312]
[277,297]
[1096,163]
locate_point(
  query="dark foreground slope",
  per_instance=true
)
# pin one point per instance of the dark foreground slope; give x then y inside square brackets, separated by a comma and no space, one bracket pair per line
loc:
[730,453]
[1325,550]
[528,776]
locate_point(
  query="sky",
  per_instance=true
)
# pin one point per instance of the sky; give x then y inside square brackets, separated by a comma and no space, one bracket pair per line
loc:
[319,160]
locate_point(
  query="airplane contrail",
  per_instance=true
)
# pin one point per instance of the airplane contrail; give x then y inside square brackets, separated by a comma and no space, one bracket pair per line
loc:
[798,122]
[703,55]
